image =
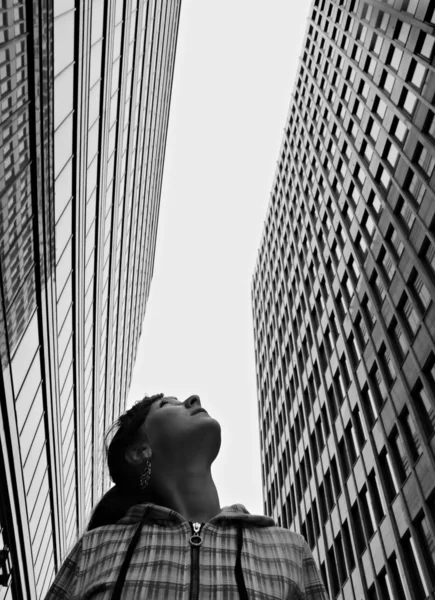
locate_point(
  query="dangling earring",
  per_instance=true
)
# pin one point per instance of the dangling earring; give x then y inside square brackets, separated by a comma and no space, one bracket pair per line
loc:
[145,476]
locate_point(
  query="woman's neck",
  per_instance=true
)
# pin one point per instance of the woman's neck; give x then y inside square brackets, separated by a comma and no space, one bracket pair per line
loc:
[193,494]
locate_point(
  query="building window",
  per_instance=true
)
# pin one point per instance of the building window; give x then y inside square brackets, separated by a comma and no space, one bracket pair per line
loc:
[364,89]
[383,176]
[427,542]
[410,6]
[416,74]
[378,385]
[378,288]
[402,31]
[375,203]
[383,21]
[395,242]
[419,290]
[411,434]
[425,160]
[322,504]
[373,129]
[398,338]
[399,129]
[358,428]
[429,126]
[370,66]
[400,455]
[426,45]
[430,15]
[358,110]
[394,57]
[387,81]
[391,155]
[379,107]
[329,492]
[358,529]
[408,101]
[387,362]
[405,213]
[388,475]
[385,585]
[369,313]
[361,33]
[344,460]
[339,553]
[409,314]
[368,512]
[367,12]
[354,351]
[352,444]
[376,497]
[428,253]
[429,370]
[376,44]
[424,407]
[340,387]
[367,151]
[370,408]
[387,263]
[414,566]
[333,573]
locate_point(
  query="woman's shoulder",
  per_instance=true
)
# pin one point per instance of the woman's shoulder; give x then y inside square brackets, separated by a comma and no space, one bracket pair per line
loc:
[283,539]
[106,539]
[281,533]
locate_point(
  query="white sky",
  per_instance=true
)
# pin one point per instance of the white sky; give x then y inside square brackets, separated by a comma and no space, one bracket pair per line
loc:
[234,74]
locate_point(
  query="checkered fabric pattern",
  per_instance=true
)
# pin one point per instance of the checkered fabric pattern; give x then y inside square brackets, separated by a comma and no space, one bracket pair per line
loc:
[276,563]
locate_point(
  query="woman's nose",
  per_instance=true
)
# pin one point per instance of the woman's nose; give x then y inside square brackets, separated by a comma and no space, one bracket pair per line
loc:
[191,400]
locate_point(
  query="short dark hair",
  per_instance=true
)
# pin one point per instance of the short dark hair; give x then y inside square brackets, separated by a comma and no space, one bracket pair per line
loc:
[127,427]
[125,493]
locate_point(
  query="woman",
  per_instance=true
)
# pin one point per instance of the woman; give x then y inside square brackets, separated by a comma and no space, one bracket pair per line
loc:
[160,531]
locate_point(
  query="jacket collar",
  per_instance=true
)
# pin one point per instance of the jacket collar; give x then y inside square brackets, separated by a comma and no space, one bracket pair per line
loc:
[164,516]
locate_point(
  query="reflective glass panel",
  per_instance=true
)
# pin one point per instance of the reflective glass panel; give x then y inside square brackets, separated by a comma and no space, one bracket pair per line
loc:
[25,352]
[64,303]
[63,95]
[63,231]
[97,20]
[63,41]
[62,190]
[63,269]
[61,6]
[33,418]
[65,334]
[63,144]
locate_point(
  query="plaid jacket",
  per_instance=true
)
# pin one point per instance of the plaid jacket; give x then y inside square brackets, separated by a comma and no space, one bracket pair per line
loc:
[276,563]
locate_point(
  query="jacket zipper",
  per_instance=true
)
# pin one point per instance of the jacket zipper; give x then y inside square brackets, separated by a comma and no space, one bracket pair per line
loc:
[195,543]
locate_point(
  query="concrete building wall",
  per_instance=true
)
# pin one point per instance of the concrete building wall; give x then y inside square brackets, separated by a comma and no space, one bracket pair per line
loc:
[343,302]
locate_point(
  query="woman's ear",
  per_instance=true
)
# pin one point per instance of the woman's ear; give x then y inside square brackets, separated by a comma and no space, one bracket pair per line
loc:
[137,453]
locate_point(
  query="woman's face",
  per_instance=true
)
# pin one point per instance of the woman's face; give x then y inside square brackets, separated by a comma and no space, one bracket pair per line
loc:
[176,430]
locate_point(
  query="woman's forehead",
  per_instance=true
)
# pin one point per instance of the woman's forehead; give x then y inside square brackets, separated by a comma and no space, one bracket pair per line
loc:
[172,399]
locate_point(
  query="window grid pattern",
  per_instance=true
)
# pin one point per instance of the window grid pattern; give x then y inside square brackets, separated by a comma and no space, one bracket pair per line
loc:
[342,300]
[64,328]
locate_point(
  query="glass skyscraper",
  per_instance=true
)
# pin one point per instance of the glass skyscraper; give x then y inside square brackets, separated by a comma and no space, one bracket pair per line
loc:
[85,91]
[344,302]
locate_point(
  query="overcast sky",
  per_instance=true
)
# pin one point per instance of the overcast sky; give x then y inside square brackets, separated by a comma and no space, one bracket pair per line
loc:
[234,74]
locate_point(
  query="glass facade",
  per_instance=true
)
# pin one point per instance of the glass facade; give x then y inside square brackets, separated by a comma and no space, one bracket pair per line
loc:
[343,302]
[85,90]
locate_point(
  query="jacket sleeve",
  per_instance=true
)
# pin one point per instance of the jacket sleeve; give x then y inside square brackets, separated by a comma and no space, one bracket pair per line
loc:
[313,585]
[65,582]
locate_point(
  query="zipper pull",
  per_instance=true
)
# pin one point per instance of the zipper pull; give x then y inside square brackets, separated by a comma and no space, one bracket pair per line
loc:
[196,539]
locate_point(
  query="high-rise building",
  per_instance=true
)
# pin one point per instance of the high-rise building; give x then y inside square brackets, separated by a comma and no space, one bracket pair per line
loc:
[85,91]
[344,302]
